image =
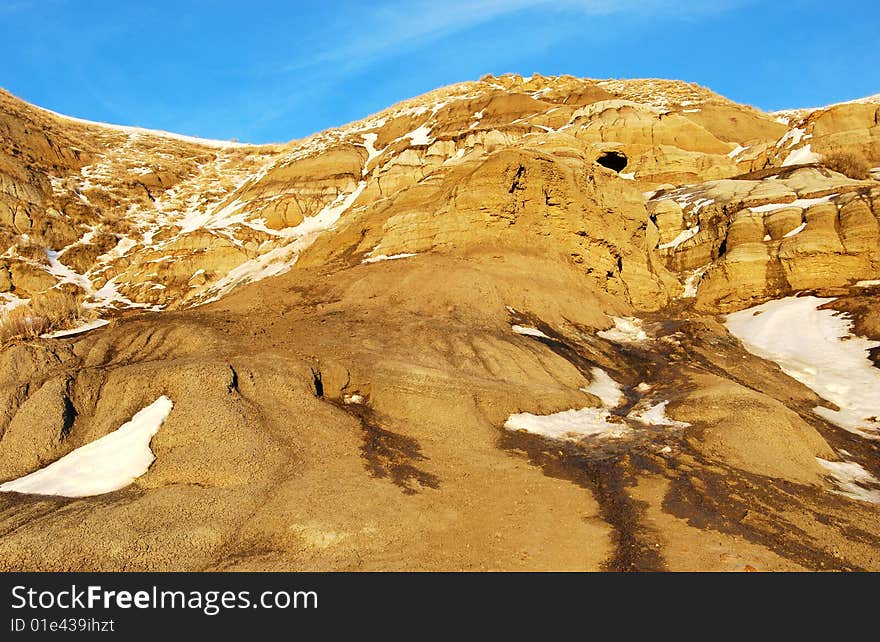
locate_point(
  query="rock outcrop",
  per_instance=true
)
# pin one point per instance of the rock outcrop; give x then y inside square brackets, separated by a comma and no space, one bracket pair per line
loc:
[346,323]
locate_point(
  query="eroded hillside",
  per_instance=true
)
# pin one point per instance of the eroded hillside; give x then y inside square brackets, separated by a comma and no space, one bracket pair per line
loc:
[486,328]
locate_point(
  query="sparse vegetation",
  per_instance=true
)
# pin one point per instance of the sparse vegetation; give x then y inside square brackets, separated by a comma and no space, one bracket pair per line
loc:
[27,249]
[52,310]
[848,163]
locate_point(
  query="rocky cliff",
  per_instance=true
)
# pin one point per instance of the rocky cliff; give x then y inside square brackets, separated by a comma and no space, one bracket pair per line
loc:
[490,317]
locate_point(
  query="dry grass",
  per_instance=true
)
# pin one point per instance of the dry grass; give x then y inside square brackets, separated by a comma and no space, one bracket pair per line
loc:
[48,311]
[30,250]
[848,163]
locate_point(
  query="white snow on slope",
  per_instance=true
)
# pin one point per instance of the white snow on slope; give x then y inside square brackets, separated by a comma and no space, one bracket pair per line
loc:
[699,204]
[786,115]
[693,282]
[792,137]
[736,152]
[800,228]
[386,257]
[817,348]
[683,236]
[606,388]
[850,478]
[568,425]
[867,284]
[625,330]
[9,301]
[128,129]
[654,415]
[802,203]
[801,156]
[65,274]
[108,295]
[103,297]
[528,331]
[106,464]
[122,247]
[574,425]
[281,259]
[85,327]
[420,136]
[372,152]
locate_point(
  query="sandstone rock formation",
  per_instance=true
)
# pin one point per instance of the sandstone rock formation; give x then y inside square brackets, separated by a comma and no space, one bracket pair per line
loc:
[345,324]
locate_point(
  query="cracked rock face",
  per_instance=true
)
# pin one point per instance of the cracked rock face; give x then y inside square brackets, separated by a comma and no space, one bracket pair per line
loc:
[346,325]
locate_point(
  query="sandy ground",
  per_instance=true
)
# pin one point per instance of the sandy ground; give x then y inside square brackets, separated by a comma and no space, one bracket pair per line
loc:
[255,471]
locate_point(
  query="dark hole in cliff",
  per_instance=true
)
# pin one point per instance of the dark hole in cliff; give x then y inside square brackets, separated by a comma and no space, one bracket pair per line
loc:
[318,380]
[613,160]
[232,386]
[68,416]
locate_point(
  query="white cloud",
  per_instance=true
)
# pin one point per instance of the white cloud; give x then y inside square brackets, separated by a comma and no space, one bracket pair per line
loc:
[383,29]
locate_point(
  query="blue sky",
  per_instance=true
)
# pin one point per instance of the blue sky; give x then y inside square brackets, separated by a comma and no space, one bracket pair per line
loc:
[263,71]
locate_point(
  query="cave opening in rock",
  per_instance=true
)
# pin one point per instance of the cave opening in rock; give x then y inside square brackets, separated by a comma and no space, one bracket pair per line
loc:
[613,160]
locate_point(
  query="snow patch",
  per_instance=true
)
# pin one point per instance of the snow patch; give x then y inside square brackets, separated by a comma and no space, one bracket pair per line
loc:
[802,203]
[127,129]
[9,301]
[625,330]
[801,156]
[817,348]
[420,136]
[606,388]
[65,274]
[693,282]
[655,415]
[574,425]
[386,257]
[683,236]
[85,327]
[792,137]
[281,259]
[568,425]
[106,464]
[372,152]
[528,331]
[123,245]
[850,479]
[800,228]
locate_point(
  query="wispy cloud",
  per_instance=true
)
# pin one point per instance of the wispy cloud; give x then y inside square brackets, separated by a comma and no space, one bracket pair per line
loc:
[375,34]
[384,29]
[311,65]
